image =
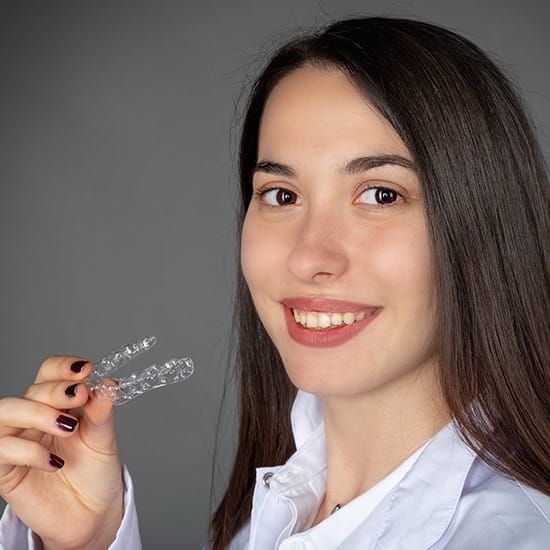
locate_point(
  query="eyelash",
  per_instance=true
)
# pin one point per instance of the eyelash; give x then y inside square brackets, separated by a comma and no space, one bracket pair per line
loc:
[261,193]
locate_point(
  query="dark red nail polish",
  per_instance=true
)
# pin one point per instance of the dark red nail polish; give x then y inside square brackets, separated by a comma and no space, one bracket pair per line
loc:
[77,366]
[56,461]
[71,390]
[66,423]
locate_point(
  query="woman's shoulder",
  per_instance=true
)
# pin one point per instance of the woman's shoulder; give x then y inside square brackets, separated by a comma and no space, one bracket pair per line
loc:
[493,490]
[495,511]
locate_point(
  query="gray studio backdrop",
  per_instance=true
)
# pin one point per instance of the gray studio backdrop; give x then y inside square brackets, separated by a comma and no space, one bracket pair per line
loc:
[117,174]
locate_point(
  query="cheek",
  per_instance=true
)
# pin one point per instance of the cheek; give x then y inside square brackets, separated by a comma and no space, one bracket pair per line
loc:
[399,263]
[417,275]
[403,250]
[261,253]
[406,268]
[251,251]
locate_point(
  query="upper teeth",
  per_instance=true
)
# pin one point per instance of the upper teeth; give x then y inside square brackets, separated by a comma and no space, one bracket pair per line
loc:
[315,319]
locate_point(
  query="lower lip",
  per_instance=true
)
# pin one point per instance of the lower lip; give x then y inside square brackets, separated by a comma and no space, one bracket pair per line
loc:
[324,338]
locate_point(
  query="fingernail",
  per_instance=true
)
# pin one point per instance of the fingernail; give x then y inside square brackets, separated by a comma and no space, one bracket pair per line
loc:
[71,390]
[77,366]
[56,461]
[66,423]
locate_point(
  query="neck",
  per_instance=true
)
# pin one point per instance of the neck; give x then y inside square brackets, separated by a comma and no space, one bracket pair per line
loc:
[369,435]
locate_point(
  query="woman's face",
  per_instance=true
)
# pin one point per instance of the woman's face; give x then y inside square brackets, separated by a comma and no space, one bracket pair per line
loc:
[335,246]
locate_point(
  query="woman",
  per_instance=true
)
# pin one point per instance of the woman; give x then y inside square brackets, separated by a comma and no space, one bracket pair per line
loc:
[394,255]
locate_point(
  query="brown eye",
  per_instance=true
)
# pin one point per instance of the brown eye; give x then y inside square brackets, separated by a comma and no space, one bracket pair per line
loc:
[380,196]
[279,197]
[385,196]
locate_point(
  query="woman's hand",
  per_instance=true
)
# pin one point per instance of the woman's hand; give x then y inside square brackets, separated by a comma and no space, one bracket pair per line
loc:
[59,466]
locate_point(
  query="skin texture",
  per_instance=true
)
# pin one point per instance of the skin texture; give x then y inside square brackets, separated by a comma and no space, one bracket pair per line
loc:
[328,236]
[81,504]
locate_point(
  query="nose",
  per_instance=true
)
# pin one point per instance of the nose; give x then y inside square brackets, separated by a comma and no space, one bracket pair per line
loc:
[319,252]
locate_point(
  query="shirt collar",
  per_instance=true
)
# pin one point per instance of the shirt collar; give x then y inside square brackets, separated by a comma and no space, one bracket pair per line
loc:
[437,481]
[421,507]
[306,417]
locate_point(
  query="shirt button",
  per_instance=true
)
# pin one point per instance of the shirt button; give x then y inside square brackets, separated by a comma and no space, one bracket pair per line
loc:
[266,479]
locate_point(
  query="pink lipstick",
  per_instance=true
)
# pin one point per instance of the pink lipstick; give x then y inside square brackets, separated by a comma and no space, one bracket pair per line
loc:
[327,337]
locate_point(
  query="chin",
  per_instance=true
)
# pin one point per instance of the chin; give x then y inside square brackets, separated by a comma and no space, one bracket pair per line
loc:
[322,380]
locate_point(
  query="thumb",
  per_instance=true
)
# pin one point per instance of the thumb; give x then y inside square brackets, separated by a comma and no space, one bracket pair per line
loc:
[97,427]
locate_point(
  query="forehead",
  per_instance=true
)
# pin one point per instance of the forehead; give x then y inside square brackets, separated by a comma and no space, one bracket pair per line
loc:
[321,109]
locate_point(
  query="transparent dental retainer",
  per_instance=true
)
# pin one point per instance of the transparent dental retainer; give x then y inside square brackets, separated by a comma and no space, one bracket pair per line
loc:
[122,390]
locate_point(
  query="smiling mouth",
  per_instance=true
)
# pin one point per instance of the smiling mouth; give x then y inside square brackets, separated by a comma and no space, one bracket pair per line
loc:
[317,320]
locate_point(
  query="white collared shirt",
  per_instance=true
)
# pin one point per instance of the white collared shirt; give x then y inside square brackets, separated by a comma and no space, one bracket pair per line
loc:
[303,504]
[441,497]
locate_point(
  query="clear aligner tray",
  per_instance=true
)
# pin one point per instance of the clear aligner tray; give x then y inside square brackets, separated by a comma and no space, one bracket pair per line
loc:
[122,390]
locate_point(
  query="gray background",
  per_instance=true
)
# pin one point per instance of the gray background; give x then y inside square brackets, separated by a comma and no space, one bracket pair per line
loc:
[118,130]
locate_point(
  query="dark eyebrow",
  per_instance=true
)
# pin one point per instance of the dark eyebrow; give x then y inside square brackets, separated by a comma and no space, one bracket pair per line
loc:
[354,166]
[275,168]
[362,164]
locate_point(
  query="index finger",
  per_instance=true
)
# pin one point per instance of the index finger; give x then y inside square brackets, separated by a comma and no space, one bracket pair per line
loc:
[63,367]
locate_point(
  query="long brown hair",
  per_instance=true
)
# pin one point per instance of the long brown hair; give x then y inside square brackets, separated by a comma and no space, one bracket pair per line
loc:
[487,198]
